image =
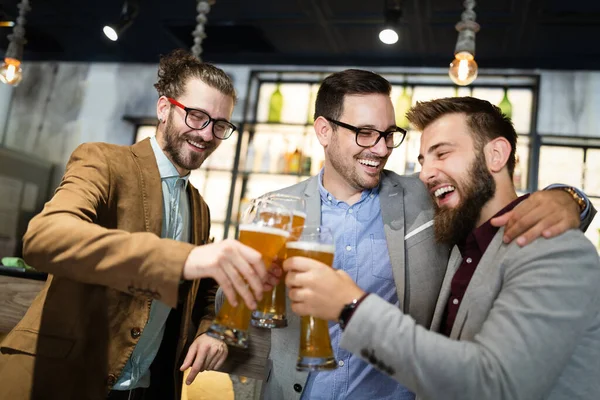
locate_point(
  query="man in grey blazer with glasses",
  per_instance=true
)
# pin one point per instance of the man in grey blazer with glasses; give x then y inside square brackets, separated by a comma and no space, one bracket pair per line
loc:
[514,322]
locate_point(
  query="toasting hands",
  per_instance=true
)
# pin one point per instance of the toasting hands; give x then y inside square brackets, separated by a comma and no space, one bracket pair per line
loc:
[231,264]
[318,290]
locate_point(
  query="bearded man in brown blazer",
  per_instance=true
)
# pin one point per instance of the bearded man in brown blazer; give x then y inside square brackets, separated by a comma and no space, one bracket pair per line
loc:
[131,277]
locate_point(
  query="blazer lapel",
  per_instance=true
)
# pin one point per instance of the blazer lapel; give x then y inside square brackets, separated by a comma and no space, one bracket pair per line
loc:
[149,185]
[391,200]
[477,288]
[313,202]
[453,264]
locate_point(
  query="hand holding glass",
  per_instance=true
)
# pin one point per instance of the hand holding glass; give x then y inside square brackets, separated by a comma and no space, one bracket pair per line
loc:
[315,352]
[270,312]
[265,226]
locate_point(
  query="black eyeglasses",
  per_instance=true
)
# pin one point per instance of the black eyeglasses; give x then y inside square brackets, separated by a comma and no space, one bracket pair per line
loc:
[198,119]
[369,137]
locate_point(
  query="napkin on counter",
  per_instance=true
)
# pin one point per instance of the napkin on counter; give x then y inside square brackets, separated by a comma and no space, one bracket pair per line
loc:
[16,262]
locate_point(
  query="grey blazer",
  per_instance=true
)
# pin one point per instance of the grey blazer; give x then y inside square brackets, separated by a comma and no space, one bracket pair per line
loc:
[418,264]
[528,328]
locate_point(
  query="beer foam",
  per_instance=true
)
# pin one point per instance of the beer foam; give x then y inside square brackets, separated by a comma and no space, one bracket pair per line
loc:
[300,214]
[311,246]
[264,229]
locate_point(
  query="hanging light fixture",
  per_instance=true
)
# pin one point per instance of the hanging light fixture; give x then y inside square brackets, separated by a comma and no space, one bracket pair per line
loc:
[463,69]
[392,12]
[199,33]
[129,11]
[11,72]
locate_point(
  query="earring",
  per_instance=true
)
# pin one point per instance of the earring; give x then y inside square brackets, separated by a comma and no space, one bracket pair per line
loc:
[160,120]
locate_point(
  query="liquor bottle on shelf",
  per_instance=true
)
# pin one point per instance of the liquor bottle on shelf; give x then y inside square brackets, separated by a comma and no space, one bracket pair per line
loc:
[265,165]
[310,117]
[250,157]
[505,105]
[294,162]
[275,105]
[517,174]
[403,104]
[306,165]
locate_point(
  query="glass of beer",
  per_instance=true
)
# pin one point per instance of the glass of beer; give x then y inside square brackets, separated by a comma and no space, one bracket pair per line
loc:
[265,226]
[270,312]
[315,352]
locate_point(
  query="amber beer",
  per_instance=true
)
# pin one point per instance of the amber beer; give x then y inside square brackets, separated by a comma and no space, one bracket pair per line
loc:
[266,240]
[315,352]
[270,311]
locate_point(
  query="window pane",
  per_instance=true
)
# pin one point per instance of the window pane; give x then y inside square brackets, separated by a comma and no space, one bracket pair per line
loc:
[560,165]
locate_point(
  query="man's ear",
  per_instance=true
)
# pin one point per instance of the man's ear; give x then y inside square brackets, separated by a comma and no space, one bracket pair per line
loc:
[497,153]
[323,130]
[162,109]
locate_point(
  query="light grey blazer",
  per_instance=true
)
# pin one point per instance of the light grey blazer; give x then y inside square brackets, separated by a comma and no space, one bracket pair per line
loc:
[528,328]
[418,264]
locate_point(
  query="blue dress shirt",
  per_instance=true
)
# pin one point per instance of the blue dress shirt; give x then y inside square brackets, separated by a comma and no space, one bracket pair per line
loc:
[361,251]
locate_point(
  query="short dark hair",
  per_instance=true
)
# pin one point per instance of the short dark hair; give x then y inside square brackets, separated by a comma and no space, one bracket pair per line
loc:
[177,67]
[485,120]
[333,89]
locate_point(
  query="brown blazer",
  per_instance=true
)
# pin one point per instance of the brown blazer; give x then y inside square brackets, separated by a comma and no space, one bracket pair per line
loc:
[99,238]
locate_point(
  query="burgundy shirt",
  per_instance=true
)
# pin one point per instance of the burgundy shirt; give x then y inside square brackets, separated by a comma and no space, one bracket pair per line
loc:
[471,250]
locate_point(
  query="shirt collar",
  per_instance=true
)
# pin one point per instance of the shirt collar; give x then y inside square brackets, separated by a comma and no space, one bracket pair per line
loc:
[166,168]
[484,234]
[328,197]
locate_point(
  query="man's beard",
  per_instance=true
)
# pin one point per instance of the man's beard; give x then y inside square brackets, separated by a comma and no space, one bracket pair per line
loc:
[174,144]
[453,225]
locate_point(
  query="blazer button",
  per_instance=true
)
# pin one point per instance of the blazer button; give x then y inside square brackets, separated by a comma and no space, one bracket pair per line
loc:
[111,380]
[298,387]
[135,333]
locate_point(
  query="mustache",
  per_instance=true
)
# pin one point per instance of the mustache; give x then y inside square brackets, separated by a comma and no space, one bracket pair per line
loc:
[198,139]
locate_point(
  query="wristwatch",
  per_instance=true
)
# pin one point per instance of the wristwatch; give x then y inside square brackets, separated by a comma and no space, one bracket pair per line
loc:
[578,199]
[348,311]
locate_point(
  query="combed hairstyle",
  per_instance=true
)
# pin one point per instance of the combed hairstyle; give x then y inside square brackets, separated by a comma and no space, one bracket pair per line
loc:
[177,67]
[486,122]
[330,98]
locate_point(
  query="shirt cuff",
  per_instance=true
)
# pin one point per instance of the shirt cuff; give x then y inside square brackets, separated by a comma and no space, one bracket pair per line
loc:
[586,211]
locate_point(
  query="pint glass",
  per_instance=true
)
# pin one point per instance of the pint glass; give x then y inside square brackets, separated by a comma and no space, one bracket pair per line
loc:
[270,312]
[315,353]
[265,226]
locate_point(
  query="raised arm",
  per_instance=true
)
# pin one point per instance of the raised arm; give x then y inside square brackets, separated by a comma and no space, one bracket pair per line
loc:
[65,241]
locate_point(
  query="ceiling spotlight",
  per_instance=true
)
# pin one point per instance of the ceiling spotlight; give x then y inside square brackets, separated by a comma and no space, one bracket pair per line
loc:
[388,36]
[110,33]
[392,12]
[128,13]
[7,24]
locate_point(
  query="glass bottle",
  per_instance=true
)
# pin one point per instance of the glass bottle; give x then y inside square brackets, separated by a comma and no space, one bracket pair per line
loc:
[275,105]
[505,105]
[403,104]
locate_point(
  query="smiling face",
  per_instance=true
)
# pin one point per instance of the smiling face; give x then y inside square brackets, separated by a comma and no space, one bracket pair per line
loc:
[185,147]
[355,166]
[455,171]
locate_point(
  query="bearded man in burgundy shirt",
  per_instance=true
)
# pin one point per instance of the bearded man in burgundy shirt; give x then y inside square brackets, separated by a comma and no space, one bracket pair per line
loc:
[514,322]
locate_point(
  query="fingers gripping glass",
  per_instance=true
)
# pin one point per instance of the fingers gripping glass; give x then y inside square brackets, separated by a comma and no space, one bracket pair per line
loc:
[369,137]
[265,226]
[198,119]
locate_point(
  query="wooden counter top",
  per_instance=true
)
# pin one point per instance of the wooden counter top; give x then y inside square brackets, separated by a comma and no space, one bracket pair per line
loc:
[16,294]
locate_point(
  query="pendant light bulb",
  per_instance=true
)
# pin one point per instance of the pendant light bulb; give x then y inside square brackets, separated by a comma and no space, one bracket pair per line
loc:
[11,72]
[463,69]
